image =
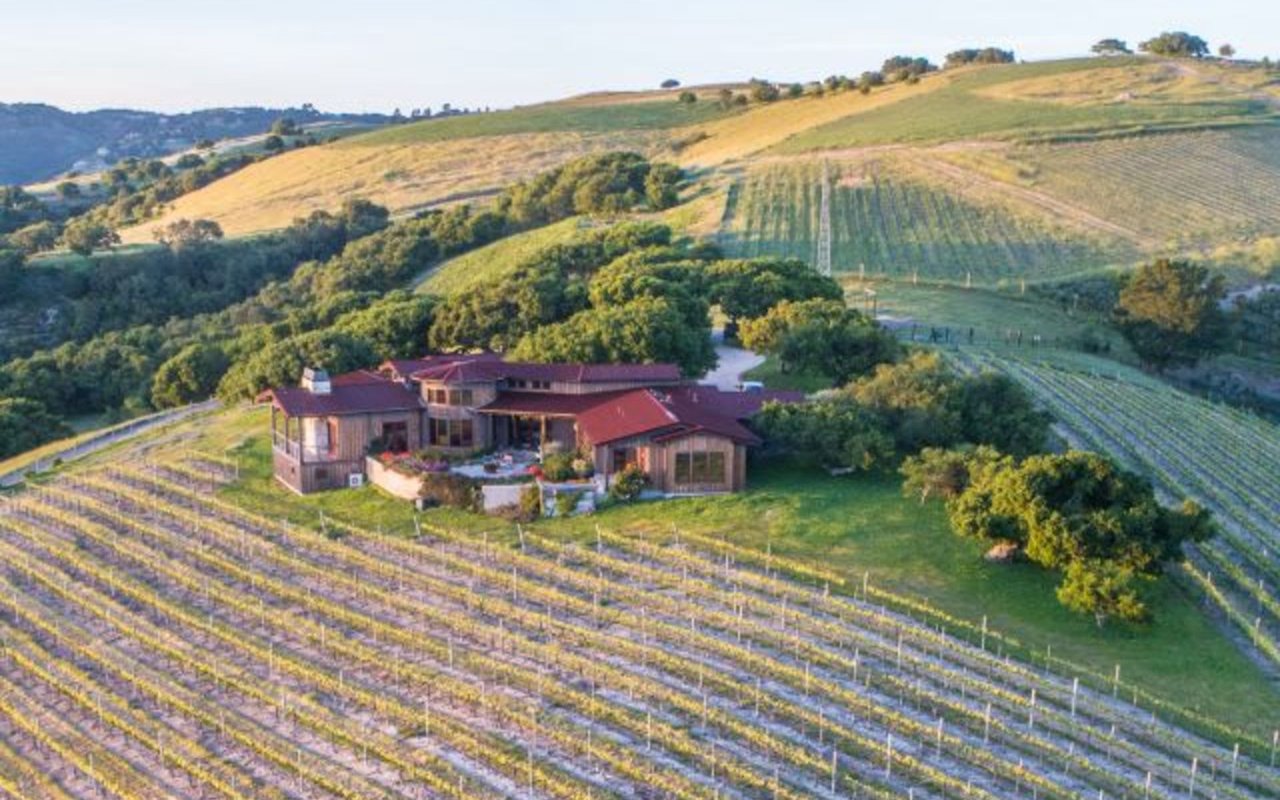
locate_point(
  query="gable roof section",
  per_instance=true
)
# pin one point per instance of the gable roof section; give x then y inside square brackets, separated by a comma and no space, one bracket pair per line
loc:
[360,392]
[548,404]
[667,414]
[488,367]
[624,416]
[405,368]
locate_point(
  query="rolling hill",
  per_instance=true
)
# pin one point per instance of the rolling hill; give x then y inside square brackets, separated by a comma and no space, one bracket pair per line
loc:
[995,175]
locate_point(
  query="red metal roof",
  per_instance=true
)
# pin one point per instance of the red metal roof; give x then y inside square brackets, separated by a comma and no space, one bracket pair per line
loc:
[544,403]
[625,416]
[404,368]
[743,405]
[353,393]
[488,367]
[676,411]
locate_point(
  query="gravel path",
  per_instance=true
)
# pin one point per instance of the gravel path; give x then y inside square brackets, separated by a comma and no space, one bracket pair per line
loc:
[107,438]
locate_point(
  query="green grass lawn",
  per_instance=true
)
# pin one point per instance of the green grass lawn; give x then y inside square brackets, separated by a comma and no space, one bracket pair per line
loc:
[493,261]
[958,112]
[848,525]
[990,312]
[549,118]
[771,375]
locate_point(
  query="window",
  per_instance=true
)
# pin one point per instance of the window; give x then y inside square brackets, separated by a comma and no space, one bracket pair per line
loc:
[333,437]
[623,457]
[700,467]
[460,397]
[452,433]
[321,475]
[395,436]
[450,397]
[460,433]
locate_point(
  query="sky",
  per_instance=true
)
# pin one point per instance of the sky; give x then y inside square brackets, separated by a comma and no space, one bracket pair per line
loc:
[378,55]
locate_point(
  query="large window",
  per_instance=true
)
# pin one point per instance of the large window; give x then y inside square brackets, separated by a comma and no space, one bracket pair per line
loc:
[452,433]
[694,468]
[450,397]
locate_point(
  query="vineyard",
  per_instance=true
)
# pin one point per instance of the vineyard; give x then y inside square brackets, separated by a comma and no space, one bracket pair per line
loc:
[158,641]
[1187,189]
[900,226]
[1223,458]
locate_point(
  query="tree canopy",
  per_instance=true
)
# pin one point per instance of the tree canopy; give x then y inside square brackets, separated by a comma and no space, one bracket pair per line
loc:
[188,233]
[1110,47]
[608,183]
[83,236]
[189,376]
[903,408]
[281,363]
[1079,513]
[25,424]
[900,68]
[646,330]
[1170,313]
[971,55]
[820,336]
[1176,44]
[749,288]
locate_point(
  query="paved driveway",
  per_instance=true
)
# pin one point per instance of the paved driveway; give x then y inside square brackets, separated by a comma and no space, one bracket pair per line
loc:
[734,361]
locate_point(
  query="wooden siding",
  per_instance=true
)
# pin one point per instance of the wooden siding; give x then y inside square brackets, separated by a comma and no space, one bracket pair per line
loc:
[315,463]
[658,460]
[662,469]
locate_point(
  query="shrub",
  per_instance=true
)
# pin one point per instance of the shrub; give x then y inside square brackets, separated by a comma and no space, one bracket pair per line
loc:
[567,503]
[558,467]
[628,484]
[451,490]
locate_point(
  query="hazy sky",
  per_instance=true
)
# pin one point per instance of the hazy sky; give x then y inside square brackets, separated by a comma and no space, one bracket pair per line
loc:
[376,55]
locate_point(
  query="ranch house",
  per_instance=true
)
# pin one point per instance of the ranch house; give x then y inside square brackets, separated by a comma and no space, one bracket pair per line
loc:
[688,439]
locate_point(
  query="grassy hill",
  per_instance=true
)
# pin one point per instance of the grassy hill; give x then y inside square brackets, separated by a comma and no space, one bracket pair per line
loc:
[1056,99]
[982,174]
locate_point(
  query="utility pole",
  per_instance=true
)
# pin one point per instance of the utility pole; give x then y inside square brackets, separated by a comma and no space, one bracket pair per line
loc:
[823,264]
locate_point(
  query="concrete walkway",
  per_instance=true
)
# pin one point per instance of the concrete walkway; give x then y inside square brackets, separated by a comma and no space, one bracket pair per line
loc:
[106,438]
[733,363]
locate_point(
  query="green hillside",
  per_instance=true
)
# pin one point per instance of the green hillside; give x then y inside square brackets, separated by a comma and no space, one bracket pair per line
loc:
[604,115]
[972,106]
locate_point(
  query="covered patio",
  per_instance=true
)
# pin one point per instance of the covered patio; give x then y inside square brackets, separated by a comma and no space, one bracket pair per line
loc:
[537,421]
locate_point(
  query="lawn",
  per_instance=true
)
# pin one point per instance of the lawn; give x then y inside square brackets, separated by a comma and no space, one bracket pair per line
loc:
[771,375]
[990,312]
[852,526]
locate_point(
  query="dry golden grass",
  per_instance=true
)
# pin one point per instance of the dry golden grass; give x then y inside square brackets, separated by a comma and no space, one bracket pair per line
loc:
[765,126]
[1157,82]
[402,177]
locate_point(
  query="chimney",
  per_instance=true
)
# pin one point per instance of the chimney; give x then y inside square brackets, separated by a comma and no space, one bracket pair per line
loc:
[316,381]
